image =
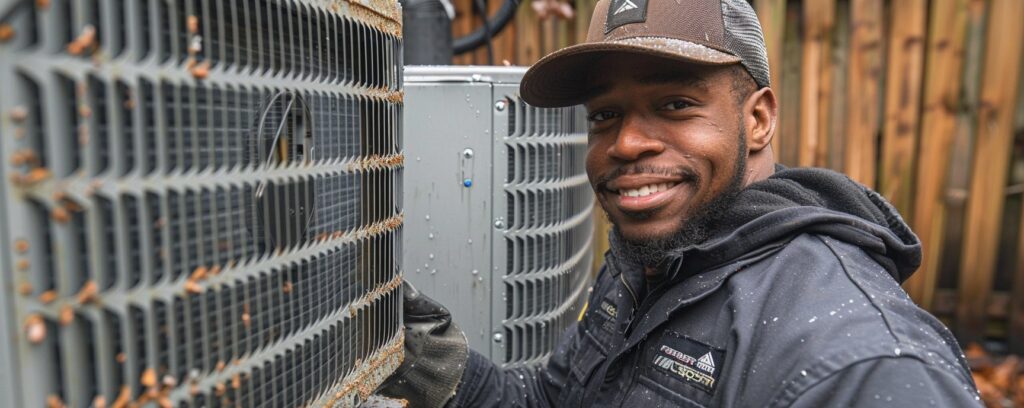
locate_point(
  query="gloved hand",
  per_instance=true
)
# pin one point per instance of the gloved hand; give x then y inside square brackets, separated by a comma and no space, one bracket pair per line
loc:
[436,351]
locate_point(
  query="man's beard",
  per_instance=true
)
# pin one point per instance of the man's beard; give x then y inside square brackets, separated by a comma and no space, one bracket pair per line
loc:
[652,251]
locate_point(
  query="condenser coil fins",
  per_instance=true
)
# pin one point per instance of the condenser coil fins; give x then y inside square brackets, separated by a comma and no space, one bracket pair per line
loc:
[200,202]
[499,225]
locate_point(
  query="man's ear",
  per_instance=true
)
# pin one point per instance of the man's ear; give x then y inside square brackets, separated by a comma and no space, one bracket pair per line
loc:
[760,114]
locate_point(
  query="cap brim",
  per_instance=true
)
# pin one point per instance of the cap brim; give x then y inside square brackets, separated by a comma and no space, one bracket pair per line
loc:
[560,78]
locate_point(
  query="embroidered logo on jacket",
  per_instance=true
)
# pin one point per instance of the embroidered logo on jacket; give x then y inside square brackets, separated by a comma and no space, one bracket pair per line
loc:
[609,313]
[689,360]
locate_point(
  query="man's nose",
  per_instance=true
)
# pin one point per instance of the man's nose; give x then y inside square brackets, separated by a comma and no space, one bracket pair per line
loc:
[634,140]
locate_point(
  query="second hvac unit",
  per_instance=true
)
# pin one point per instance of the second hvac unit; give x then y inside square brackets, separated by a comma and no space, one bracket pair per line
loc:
[200,202]
[498,224]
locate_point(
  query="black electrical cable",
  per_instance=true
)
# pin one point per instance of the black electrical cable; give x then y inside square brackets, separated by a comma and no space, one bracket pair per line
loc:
[481,6]
[494,25]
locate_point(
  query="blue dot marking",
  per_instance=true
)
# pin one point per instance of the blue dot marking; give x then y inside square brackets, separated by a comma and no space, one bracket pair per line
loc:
[467,182]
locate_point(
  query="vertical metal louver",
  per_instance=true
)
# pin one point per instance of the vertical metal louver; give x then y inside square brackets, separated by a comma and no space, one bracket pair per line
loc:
[201,202]
[499,223]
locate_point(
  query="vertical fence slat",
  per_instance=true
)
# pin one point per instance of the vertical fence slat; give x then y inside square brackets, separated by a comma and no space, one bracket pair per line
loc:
[988,171]
[479,53]
[958,182]
[505,43]
[839,61]
[863,90]
[902,102]
[527,36]
[1016,307]
[819,17]
[1015,339]
[462,24]
[772,14]
[584,10]
[789,112]
[947,32]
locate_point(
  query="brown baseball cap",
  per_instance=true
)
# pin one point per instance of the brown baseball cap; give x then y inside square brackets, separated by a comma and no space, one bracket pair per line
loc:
[705,32]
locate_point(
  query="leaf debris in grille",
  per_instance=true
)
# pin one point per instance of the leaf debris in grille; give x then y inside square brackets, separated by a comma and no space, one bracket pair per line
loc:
[202,207]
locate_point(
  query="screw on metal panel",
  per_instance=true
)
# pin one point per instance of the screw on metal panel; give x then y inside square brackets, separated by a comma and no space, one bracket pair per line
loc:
[500,105]
[499,224]
[18,113]
[498,337]
[35,329]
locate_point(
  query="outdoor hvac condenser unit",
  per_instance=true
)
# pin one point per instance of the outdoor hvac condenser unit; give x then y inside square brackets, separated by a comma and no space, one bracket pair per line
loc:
[498,219]
[200,202]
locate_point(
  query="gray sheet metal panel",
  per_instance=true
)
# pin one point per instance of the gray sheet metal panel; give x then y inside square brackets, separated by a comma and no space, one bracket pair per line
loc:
[152,176]
[504,96]
[447,251]
[10,394]
[531,304]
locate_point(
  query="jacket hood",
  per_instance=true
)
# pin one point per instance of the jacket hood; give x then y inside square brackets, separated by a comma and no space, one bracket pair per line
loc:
[803,200]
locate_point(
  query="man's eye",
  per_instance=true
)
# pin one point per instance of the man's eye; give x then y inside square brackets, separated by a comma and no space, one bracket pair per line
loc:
[676,105]
[601,116]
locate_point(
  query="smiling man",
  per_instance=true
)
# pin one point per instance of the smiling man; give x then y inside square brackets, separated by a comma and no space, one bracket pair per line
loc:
[731,281]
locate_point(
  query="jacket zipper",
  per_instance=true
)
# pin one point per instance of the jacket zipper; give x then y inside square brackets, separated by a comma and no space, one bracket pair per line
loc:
[629,322]
[636,302]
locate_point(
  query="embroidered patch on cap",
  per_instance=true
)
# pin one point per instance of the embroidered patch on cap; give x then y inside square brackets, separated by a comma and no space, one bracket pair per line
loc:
[622,12]
[689,361]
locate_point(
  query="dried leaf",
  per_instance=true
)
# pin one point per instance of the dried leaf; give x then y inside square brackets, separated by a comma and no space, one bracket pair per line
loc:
[6,32]
[88,292]
[67,315]
[48,296]
[148,378]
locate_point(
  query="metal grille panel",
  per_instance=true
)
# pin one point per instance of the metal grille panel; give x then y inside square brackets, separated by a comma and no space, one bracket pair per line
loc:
[501,228]
[549,206]
[201,201]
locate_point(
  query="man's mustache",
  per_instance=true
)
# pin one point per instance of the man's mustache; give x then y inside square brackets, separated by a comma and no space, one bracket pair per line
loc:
[688,175]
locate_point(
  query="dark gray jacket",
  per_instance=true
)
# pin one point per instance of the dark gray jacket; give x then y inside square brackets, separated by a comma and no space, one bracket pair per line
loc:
[794,301]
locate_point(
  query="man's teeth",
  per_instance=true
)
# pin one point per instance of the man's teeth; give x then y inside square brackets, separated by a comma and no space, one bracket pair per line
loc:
[646,190]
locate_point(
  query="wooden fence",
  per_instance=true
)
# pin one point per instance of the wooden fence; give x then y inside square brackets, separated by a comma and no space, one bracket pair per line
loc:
[918,99]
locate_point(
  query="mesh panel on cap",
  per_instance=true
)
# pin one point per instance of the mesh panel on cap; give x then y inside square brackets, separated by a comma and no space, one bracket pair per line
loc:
[744,38]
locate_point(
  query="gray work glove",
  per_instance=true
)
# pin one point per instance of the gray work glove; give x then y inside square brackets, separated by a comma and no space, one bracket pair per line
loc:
[436,351]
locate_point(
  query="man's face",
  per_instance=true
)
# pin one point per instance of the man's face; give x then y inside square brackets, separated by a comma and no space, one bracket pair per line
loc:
[666,143]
